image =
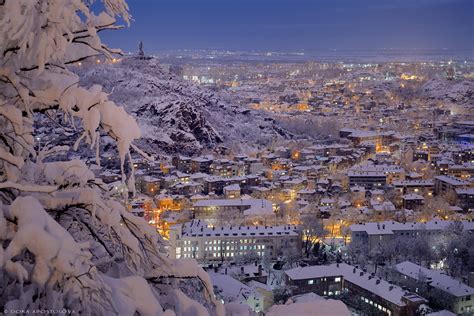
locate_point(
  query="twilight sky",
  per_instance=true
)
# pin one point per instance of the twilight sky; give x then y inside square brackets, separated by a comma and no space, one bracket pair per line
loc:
[291,25]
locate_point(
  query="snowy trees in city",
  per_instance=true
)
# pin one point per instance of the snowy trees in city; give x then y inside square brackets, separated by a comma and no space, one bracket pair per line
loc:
[450,250]
[436,206]
[357,252]
[312,229]
[64,242]
[459,253]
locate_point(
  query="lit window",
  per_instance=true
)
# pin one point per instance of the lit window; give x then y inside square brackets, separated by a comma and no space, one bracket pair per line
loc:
[311,282]
[338,279]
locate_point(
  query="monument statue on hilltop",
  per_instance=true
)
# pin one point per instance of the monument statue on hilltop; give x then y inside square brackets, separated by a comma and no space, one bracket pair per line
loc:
[141,54]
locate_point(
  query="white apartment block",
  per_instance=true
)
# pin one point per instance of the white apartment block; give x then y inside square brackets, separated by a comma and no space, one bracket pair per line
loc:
[196,239]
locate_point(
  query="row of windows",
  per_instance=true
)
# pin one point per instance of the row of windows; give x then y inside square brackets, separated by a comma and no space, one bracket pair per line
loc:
[232,254]
[380,307]
[242,241]
[336,279]
[255,247]
[191,248]
[218,254]
[188,255]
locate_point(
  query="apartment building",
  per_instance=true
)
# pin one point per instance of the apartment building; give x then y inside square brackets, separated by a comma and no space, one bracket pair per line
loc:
[195,239]
[458,296]
[357,288]
[378,233]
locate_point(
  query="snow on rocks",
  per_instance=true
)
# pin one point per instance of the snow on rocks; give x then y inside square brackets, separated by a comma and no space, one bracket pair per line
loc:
[176,115]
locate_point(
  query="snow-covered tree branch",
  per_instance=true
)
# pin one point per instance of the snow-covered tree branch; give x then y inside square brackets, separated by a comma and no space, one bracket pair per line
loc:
[64,243]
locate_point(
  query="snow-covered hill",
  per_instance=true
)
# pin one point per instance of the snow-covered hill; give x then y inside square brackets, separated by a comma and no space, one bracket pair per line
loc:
[176,115]
[456,91]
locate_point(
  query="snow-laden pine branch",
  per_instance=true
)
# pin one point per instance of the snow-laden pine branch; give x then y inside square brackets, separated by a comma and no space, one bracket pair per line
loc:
[64,242]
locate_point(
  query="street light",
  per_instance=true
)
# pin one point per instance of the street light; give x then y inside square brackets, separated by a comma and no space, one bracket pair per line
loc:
[39,143]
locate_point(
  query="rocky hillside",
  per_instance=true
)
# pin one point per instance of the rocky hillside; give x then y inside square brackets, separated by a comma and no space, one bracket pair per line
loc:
[176,115]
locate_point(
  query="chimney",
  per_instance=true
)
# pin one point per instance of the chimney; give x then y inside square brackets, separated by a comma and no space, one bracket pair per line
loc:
[390,287]
[354,270]
[225,271]
[260,269]
[361,273]
[377,282]
[242,270]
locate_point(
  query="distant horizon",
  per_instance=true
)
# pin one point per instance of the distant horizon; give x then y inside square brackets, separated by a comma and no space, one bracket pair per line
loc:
[300,50]
[295,25]
[324,55]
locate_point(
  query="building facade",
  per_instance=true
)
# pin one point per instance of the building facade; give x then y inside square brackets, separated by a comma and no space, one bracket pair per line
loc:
[205,243]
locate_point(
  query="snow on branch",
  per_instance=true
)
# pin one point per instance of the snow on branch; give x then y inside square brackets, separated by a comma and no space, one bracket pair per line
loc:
[64,242]
[28,187]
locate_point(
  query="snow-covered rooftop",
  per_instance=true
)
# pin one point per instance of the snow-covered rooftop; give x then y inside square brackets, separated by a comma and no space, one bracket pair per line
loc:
[354,275]
[452,180]
[414,183]
[230,288]
[252,206]
[436,278]
[199,228]
[388,227]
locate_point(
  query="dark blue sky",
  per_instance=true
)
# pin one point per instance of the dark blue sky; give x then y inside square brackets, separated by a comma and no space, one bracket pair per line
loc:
[291,25]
